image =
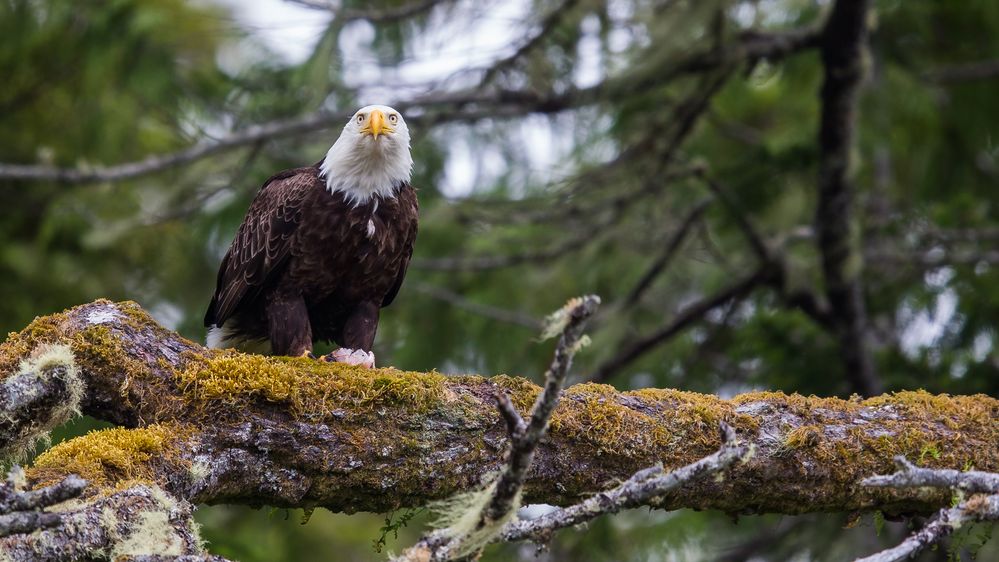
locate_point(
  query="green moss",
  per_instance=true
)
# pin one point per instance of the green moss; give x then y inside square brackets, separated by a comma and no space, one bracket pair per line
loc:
[312,388]
[20,345]
[523,393]
[803,437]
[111,456]
[98,346]
[592,412]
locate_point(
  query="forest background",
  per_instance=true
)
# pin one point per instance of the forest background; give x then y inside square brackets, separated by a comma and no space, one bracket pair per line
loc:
[662,154]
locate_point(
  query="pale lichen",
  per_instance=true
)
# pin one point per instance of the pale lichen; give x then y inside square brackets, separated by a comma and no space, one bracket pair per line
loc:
[460,519]
[48,367]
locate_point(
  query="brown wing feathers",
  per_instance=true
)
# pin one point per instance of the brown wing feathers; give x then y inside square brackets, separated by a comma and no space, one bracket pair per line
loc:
[262,244]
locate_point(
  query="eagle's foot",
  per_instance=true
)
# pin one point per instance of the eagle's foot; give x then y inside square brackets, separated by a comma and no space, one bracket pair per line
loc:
[352,357]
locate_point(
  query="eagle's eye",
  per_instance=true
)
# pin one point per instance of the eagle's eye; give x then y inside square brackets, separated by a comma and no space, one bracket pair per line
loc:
[360,118]
[393,118]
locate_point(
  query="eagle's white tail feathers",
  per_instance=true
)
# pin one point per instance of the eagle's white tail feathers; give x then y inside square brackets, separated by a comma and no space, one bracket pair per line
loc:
[229,336]
[216,338]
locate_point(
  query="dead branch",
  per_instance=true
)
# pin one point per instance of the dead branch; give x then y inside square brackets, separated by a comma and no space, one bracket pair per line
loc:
[23,511]
[139,523]
[384,15]
[974,509]
[684,319]
[434,107]
[910,475]
[643,488]
[456,542]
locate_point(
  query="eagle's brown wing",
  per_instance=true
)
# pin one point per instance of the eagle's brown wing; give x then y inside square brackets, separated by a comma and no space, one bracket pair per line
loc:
[410,207]
[263,242]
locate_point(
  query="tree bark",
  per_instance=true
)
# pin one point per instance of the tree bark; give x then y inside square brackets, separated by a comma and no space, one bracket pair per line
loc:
[221,427]
[842,45]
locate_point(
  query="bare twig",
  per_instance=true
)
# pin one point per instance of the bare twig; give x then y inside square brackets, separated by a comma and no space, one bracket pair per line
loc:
[843,42]
[485,310]
[753,236]
[515,424]
[384,15]
[22,511]
[979,70]
[672,245]
[910,475]
[686,318]
[976,508]
[641,489]
[568,323]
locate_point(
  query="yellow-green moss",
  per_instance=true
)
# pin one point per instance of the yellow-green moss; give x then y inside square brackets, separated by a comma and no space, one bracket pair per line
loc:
[803,437]
[310,387]
[591,411]
[97,346]
[110,456]
[523,393]
[978,408]
[20,345]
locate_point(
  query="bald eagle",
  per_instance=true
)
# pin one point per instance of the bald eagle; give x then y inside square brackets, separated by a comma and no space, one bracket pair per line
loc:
[322,248]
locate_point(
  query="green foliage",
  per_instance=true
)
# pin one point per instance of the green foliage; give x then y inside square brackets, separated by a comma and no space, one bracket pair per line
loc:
[99,83]
[879,522]
[393,527]
[969,540]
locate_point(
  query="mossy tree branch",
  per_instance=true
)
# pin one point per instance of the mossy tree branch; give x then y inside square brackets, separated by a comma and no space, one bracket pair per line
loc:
[481,522]
[221,427]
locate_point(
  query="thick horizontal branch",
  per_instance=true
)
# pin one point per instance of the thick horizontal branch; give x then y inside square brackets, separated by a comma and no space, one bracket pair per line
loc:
[384,15]
[218,426]
[435,107]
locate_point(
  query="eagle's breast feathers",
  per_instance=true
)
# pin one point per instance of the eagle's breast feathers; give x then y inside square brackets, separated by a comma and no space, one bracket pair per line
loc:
[299,237]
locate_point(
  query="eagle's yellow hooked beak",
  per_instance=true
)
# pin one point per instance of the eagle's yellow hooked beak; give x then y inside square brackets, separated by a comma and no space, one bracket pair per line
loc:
[376,124]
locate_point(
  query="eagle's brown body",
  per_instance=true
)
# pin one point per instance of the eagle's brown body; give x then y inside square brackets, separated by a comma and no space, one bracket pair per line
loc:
[307,265]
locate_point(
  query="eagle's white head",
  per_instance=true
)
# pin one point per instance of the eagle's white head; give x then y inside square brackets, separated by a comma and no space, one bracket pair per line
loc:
[371,157]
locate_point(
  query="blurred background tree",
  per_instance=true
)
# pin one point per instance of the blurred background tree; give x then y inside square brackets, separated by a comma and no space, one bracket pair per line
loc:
[662,154]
